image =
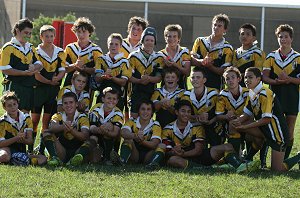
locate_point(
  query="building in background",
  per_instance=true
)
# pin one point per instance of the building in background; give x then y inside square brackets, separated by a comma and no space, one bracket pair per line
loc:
[193,15]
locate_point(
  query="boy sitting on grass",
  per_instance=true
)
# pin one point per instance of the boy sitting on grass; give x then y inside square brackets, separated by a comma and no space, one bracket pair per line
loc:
[141,137]
[79,81]
[106,121]
[269,124]
[184,145]
[15,133]
[66,138]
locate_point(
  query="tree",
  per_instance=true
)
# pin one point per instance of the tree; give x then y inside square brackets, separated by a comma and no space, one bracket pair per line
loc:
[45,20]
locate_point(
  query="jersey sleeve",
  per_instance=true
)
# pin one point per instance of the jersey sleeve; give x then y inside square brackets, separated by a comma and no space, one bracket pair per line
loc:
[266,106]
[126,71]
[84,123]
[267,65]
[63,58]
[128,125]
[156,129]
[228,51]
[155,96]
[259,60]
[196,48]
[29,124]
[221,105]
[3,130]
[118,119]
[5,55]
[167,138]
[198,134]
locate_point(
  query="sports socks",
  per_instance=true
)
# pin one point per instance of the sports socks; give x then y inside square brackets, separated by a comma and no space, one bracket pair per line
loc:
[125,152]
[158,156]
[232,159]
[289,149]
[290,162]
[251,152]
[49,144]
[236,143]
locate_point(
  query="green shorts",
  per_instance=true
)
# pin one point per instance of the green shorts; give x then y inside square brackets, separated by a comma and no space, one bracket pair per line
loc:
[24,93]
[44,94]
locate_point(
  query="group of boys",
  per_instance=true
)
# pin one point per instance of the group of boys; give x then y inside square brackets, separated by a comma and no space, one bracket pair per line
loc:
[191,126]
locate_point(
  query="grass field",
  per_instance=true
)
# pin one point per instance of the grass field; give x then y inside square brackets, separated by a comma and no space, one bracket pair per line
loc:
[135,181]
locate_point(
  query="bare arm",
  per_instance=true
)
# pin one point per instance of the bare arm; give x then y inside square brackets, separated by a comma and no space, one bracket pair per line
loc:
[152,144]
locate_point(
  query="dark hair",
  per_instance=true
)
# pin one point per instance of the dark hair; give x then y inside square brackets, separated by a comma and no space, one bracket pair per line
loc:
[117,36]
[181,103]
[70,95]
[83,23]
[223,18]
[77,73]
[168,70]
[249,26]
[9,95]
[147,102]
[21,25]
[199,69]
[232,69]
[173,28]
[110,90]
[255,71]
[285,28]
[138,21]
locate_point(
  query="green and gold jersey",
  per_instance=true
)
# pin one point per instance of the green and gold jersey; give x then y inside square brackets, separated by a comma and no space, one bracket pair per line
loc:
[84,96]
[88,55]
[220,53]
[119,68]
[127,48]
[79,122]
[288,94]
[51,65]
[226,102]
[181,57]
[165,116]
[14,55]
[207,103]
[10,128]
[142,65]
[97,116]
[151,131]
[172,136]
[262,103]
[253,57]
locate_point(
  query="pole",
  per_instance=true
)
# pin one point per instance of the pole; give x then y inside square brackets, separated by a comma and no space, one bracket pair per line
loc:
[23,9]
[146,10]
[262,31]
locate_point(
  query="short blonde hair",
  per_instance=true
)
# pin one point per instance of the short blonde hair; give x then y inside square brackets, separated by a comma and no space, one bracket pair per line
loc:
[173,28]
[45,28]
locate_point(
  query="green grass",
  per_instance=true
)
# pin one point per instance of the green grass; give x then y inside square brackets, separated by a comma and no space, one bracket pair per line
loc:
[135,181]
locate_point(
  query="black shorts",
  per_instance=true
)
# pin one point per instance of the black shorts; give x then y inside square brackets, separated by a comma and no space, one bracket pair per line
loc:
[205,158]
[142,152]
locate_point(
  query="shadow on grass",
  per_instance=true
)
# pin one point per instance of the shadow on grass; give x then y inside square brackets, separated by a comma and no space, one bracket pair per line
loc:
[208,171]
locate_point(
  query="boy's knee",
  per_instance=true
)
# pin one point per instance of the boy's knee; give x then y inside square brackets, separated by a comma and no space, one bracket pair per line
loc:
[5,156]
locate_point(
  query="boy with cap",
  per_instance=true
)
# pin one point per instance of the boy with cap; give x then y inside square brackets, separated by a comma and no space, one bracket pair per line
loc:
[146,69]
